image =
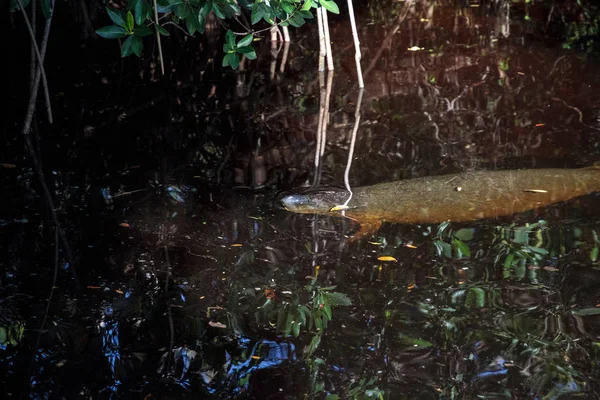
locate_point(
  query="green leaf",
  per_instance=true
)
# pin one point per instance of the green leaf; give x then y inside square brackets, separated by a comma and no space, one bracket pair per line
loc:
[162,30]
[132,45]
[314,345]
[246,40]
[464,234]
[307,5]
[258,13]
[330,6]
[111,32]
[509,261]
[586,311]
[461,249]
[305,14]
[538,250]
[287,7]
[232,60]
[130,22]
[337,299]
[139,12]
[296,328]
[205,9]
[218,11]
[142,31]
[230,38]
[475,298]
[594,254]
[327,311]
[15,5]
[443,248]
[296,21]
[248,52]
[117,16]
[3,335]
[46,8]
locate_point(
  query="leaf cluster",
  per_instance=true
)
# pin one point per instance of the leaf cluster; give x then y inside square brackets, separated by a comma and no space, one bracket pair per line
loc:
[140,20]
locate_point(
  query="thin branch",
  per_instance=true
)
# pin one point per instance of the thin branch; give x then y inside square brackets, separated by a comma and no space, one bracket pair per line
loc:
[357,55]
[352,144]
[39,56]
[327,39]
[160,55]
[43,324]
[32,153]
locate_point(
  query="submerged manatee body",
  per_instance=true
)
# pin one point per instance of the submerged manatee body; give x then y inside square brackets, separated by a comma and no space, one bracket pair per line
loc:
[456,197]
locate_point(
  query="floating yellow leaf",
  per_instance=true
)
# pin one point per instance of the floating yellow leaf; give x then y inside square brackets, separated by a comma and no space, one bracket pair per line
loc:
[535,190]
[387,258]
[410,246]
[217,324]
[124,224]
[376,243]
[255,357]
[338,208]
[119,291]
[237,245]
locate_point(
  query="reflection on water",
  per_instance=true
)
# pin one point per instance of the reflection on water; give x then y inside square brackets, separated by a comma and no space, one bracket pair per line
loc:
[196,283]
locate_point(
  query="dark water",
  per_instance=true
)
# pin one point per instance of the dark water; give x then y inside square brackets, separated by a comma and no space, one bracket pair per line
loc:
[195,283]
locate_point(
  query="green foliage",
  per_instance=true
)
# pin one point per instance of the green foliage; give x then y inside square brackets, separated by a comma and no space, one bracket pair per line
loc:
[451,244]
[127,25]
[291,315]
[12,334]
[233,51]
[136,23]
[520,247]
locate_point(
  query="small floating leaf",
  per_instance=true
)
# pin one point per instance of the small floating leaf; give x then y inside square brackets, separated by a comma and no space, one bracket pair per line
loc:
[338,208]
[237,245]
[410,246]
[387,258]
[535,191]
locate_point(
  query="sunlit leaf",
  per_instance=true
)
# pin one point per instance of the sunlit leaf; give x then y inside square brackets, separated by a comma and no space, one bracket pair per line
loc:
[338,208]
[464,234]
[307,5]
[130,21]
[535,190]
[330,6]
[461,249]
[245,41]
